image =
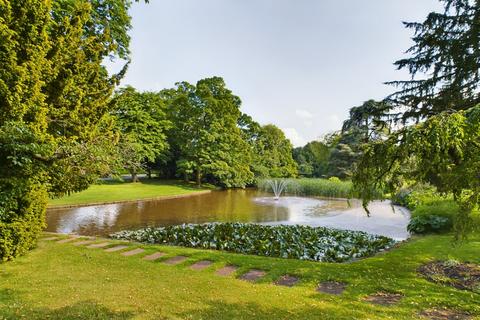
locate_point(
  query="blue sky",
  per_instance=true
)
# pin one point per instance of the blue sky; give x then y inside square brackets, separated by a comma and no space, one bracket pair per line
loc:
[299,64]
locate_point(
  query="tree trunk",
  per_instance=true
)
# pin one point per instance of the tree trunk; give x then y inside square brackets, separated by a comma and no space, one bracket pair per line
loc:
[199,178]
[149,173]
[134,176]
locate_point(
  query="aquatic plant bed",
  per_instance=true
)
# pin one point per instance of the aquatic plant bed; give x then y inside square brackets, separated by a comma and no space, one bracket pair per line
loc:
[298,242]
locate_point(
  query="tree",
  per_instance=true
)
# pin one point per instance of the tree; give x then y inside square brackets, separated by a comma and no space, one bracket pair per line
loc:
[372,119]
[366,123]
[205,134]
[445,151]
[444,62]
[313,159]
[142,123]
[55,133]
[272,154]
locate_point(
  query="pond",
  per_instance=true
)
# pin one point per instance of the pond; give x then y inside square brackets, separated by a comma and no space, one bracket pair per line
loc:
[230,206]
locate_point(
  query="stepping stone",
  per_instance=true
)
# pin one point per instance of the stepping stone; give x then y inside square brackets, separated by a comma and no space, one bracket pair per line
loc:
[332,287]
[226,271]
[99,245]
[81,243]
[49,238]
[200,265]
[253,275]
[114,249]
[132,252]
[68,239]
[175,260]
[154,256]
[384,298]
[286,280]
[444,314]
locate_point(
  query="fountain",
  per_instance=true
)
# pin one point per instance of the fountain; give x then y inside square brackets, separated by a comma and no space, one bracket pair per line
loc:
[278,186]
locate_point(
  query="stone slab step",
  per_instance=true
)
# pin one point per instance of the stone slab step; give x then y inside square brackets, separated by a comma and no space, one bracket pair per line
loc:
[175,260]
[287,281]
[132,252]
[99,245]
[253,275]
[226,271]
[154,256]
[200,265]
[116,248]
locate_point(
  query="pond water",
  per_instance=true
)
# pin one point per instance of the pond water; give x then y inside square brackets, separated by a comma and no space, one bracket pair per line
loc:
[228,206]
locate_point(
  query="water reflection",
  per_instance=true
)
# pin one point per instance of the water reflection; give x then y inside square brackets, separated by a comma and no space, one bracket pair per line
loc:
[222,206]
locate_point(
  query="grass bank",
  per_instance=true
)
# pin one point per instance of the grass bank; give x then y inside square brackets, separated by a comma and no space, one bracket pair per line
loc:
[62,281]
[117,191]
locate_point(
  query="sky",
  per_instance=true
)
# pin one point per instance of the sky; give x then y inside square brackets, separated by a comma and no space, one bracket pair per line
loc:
[298,64]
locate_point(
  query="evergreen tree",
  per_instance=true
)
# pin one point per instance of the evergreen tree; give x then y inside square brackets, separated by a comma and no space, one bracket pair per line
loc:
[55,136]
[444,62]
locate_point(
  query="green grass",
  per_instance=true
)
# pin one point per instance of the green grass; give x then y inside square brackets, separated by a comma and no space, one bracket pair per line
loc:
[314,187]
[61,281]
[113,191]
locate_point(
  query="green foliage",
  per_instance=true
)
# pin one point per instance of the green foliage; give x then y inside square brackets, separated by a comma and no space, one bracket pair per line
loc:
[417,195]
[428,224]
[205,135]
[272,154]
[445,60]
[312,159]
[445,152]
[54,93]
[142,123]
[299,242]
[333,187]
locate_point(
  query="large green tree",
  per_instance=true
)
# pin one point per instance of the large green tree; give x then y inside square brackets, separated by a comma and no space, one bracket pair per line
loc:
[444,62]
[141,119]
[444,151]
[205,137]
[313,159]
[272,154]
[54,91]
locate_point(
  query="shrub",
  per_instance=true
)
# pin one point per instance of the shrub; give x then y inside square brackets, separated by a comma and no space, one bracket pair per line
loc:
[434,216]
[428,224]
[22,218]
[299,242]
[417,195]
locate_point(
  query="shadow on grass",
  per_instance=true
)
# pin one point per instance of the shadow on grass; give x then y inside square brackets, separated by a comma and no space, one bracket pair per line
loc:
[251,310]
[81,310]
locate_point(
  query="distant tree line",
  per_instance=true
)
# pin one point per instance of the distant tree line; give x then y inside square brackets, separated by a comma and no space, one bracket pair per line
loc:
[197,132]
[337,153]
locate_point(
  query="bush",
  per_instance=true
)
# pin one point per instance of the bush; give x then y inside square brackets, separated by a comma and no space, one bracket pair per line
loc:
[22,218]
[417,195]
[433,216]
[428,224]
[299,242]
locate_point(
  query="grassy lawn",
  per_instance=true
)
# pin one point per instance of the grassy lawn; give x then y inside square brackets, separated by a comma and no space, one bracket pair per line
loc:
[112,191]
[62,281]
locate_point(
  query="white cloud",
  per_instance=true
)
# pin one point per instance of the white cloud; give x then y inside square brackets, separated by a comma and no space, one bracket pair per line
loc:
[294,137]
[304,114]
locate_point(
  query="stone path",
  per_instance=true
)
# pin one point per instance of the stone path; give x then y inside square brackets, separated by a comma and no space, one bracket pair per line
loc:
[252,275]
[200,265]
[226,271]
[154,256]
[175,260]
[332,287]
